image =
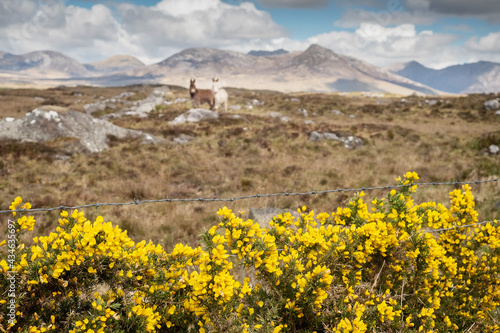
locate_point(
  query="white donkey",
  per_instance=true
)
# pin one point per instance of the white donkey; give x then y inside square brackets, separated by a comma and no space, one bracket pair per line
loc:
[220,95]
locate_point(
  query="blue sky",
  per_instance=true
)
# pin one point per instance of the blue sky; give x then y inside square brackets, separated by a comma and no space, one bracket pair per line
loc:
[437,33]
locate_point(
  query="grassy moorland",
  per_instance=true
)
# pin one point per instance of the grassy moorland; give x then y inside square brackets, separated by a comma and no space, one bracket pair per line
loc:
[252,154]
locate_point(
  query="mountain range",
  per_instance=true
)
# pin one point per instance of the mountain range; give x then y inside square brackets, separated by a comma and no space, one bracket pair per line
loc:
[479,77]
[315,69]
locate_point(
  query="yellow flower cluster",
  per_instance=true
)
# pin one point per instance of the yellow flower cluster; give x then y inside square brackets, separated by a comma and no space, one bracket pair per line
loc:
[386,264]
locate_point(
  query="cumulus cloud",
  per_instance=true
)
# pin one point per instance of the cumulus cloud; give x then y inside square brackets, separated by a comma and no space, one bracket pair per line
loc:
[385,45]
[295,3]
[149,33]
[487,44]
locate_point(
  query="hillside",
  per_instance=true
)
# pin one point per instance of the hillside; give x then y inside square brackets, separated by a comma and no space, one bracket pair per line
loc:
[268,142]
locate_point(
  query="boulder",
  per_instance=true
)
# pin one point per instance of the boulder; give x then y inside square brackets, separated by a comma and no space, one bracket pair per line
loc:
[315,136]
[194,116]
[90,133]
[492,105]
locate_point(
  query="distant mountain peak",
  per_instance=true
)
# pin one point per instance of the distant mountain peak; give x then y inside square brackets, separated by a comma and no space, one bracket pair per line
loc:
[45,60]
[262,53]
[116,63]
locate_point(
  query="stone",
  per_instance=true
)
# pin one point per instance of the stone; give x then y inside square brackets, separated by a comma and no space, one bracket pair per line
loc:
[235,107]
[350,141]
[493,149]
[303,112]
[183,138]
[193,116]
[315,136]
[337,112]
[492,105]
[279,116]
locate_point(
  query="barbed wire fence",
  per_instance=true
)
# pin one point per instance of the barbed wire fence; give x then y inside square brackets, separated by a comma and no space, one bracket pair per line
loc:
[255,196]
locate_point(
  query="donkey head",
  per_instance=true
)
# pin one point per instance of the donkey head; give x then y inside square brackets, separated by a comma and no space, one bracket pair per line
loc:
[192,87]
[215,84]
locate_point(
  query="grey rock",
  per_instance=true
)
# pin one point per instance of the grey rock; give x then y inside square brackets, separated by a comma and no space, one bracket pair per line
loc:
[256,102]
[352,116]
[492,105]
[337,112]
[308,122]
[303,112]
[497,113]
[193,116]
[281,117]
[94,107]
[125,94]
[494,149]
[296,100]
[183,138]
[315,136]
[39,99]
[235,107]
[91,133]
[349,141]
[331,136]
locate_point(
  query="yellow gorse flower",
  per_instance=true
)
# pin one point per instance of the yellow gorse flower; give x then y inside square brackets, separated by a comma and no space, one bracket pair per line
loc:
[382,264]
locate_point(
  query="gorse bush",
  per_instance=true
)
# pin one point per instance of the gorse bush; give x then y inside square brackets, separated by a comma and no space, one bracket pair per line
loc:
[387,265]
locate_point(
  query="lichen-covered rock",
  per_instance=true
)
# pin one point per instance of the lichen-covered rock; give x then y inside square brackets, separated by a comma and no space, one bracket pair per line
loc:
[42,125]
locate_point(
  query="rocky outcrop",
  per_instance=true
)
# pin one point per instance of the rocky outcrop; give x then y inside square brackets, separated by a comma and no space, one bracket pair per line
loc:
[46,124]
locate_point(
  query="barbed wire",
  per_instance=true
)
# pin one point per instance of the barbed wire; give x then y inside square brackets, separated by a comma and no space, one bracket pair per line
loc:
[255,196]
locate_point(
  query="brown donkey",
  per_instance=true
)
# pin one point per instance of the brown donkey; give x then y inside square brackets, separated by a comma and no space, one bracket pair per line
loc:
[200,96]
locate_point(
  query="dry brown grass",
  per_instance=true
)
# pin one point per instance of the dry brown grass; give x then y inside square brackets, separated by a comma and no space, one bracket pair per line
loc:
[256,154]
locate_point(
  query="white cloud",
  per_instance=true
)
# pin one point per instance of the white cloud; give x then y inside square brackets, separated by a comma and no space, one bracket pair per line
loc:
[487,44]
[385,45]
[149,33]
